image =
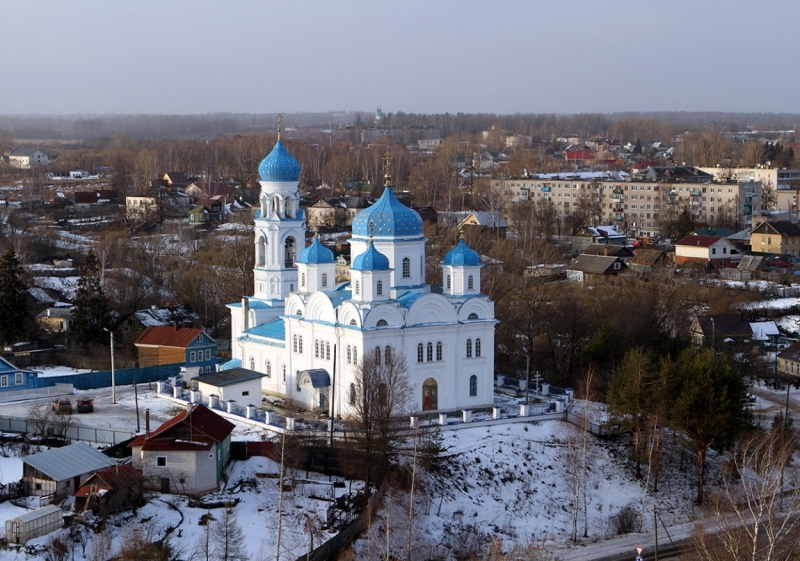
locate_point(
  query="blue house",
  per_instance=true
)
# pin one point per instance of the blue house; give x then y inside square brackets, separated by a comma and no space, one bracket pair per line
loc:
[13,378]
[171,344]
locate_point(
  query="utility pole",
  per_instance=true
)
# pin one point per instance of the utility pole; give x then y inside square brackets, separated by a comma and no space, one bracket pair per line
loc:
[330,138]
[527,378]
[655,528]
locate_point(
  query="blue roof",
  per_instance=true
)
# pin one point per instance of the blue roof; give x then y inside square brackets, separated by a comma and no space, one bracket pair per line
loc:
[371,260]
[274,329]
[407,300]
[316,254]
[462,255]
[279,165]
[231,364]
[390,218]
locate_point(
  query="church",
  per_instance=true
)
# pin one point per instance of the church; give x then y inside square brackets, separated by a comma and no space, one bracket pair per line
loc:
[307,334]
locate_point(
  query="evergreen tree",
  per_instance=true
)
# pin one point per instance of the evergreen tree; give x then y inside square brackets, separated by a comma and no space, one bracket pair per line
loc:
[13,296]
[91,305]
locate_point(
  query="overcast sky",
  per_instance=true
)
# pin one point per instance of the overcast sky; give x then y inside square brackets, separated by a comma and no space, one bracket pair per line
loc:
[198,56]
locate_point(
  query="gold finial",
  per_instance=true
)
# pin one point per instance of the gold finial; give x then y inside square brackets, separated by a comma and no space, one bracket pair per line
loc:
[316,234]
[371,230]
[280,118]
[461,232]
[387,164]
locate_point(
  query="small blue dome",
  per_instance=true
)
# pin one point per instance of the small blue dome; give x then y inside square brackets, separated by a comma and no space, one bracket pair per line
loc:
[390,217]
[279,165]
[371,260]
[316,254]
[461,255]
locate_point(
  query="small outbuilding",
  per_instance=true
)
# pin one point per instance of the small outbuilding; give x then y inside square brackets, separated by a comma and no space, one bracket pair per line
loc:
[34,524]
[62,470]
[239,384]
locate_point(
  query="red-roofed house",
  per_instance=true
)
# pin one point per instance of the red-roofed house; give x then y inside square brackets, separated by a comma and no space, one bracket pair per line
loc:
[714,251]
[185,455]
[170,344]
[111,490]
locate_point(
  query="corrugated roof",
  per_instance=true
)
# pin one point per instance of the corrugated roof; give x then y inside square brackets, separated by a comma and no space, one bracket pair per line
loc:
[274,329]
[182,315]
[228,377]
[169,336]
[699,241]
[201,419]
[38,513]
[232,363]
[594,263]
[70,461]
[763,330]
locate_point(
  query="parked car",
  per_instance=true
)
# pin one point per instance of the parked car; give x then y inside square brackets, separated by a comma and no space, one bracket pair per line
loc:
[85,405]
[62,405]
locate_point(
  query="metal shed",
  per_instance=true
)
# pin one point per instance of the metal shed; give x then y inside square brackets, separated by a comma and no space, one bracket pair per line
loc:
[34,524]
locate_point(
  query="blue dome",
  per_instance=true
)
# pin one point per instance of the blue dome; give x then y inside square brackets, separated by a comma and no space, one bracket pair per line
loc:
[371,260]
[461,255]
[279,165]
[390,217]
[316,254]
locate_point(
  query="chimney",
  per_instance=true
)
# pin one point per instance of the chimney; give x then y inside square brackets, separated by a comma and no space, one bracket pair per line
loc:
[245,312]
[147,423]
[605,250]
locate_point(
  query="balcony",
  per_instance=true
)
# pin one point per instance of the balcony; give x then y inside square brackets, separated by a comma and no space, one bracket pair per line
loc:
[696,203]
[547,198]
[619,217]
[696,192]
[545,189]
[617,197]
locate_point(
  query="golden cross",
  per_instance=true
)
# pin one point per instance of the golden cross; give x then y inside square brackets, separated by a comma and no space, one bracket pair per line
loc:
[387,164]
[280,118]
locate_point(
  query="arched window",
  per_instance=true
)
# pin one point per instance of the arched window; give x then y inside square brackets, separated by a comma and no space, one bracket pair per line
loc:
[300,344]
[303,280]
[327,351]
[430,352]
[353,322]
[448,282]
[473,386]
[357,289]
[294,343]
[406,267]
[268,369]
[387,355]
[252,363]
[325,280]
[289,257]
[477,348]
[349,355]
[284,373]
[469,348]
[439,351]
[473,315]
[355,355]
[420,352]
[316,348]
[298,312]
[378,356]
[379,288]
[381,323]
[291,287]
[470,283]
[352,394]
[421,267]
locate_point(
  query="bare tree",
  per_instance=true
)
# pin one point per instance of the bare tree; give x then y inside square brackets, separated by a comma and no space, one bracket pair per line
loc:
[40,416]
[228,538]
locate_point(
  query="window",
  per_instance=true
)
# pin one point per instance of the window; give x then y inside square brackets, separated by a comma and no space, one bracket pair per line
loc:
[477,348]
[245,394]
[381,323]
[327,351]
[357,289]
[353,322]
[268,368]
[316,348]
[161,461]
[208,354]
[200,338]
[387,355]
[469,348]
[725,249]
[355,355]
[448,282]
[303,280]
[470,283]
[324,282]
[473,386]
[473,315]
[439,351]
[406,267]
[294,343]
[18,378]
[252,363]
[349,355]
[713,250]
[420,352]
[430,352]
[352,394]
[378,356]
[192,356]
[379,288]
[284,373]
[300,344]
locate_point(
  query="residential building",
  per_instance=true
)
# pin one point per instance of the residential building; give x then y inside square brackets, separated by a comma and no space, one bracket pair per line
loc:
[719,329]
[159,345]
[789,361]
[154,203]
[326,212]
[26,158]
[598,235]
[778,238]
[111,490]
[205,190]
[298,322]
[713,251]
[13,378]
[623,252]
[649,260]
[62,470]
[587,268]
[186,455]
[55,320]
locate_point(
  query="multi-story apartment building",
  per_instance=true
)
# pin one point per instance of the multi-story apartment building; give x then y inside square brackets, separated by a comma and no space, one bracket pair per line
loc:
[637,205]
[785,182]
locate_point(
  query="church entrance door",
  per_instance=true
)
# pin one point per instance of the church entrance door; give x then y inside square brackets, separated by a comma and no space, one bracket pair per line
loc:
[430,395]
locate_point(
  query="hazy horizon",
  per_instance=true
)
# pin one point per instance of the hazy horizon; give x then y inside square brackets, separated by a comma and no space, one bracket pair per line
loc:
[201,57]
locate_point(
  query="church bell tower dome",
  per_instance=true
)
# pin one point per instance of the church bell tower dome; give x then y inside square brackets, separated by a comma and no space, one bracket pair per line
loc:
[279,165]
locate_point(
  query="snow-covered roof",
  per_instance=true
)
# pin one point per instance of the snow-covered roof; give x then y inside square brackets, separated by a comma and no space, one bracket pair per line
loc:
[763,330]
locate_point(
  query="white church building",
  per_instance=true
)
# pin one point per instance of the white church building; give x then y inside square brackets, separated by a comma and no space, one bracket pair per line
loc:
[299,322]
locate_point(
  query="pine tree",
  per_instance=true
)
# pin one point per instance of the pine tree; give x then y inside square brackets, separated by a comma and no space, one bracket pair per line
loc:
[13,296]
[91,305]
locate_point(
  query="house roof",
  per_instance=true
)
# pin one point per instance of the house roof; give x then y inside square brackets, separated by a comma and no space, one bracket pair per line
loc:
[70,461]
[725,325]
[604,232]
[751,263]
[59,313]
[699,241]
[486,218]
[183,315]
[83,197]
[724,232]
[318,377]
[177,177]
[594,263]
[613,250]
[648,257]
[24,152]
[206,429]
[230,377]
[110,479]
[792,353]
[169,336]
[763,330]
[782,228]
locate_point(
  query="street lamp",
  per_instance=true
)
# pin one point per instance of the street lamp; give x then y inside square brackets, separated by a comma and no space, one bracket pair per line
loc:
[113,373]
